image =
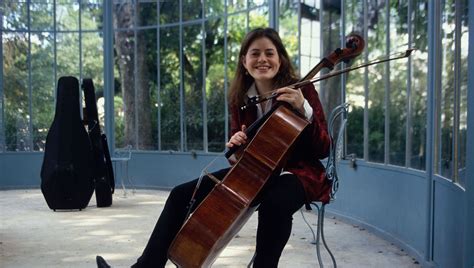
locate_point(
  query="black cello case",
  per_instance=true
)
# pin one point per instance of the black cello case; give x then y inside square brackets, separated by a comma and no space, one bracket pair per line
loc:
[66,174]
[102,164]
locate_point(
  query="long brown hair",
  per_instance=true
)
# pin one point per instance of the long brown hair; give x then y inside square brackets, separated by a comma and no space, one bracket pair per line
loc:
[240,84]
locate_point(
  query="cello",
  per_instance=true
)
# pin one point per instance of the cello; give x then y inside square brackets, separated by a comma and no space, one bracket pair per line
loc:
[229,205]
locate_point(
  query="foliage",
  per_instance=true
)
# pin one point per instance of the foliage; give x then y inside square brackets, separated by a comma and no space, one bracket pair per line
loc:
[29,95]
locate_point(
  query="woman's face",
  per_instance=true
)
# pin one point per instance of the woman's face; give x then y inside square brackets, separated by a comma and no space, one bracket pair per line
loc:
[262,60]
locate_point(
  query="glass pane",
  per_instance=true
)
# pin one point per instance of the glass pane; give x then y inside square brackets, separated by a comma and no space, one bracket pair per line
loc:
[310,45]
[398,83]
[215,94]
[376,47]
[92,15]
[125,110]
[169,11]
[123,15]
[92,57]
[147,13]
[15,16]
[463,93]
[258,17]
[446,115]
[42,75]
[355,94]
[169,89]
[193,87]
[214,7]
[42,17]
[67,16]
[330,93]
[16,92]
[92,67]
[67,54]
[119,117]
[192,9]
[236,5]
[236,33]
[288,29]
[419,83]
[256,3]
[146,83]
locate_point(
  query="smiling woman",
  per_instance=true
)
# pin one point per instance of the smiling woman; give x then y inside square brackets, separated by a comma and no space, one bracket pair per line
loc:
[262,62]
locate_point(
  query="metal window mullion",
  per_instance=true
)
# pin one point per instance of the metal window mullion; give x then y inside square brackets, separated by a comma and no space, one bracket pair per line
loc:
[80,46]
[247,12]
[55,53]
[108,43]
[272,14]
[408,127]
[457,90]
[80,58]
[387,85]
[181,79]
[321,43]
[343,78]
[158,75]
[299,38]
[226,79]
[2,101]
[342,44]
[30,81]
[366,89]
[437,89]
[135,71]
[205,143]
[434,71]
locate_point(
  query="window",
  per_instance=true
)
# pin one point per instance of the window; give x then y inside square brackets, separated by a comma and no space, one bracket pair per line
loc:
[42,41]
[387,117]
[452,94]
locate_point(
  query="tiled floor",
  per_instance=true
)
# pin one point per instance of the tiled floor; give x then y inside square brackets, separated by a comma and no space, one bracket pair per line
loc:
[32,235]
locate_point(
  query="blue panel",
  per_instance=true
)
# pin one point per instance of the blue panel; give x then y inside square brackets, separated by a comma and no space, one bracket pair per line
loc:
[20,170]
[448,224]
[390,201]
[156,170]
[167,170]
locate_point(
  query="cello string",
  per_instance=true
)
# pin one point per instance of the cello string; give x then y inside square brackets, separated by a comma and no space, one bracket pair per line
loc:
[204,172]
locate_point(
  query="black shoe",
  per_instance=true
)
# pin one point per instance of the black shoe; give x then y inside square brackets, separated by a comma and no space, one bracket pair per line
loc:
[101,263]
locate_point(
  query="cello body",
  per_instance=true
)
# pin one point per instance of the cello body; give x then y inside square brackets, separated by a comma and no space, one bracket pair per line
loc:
[229,205]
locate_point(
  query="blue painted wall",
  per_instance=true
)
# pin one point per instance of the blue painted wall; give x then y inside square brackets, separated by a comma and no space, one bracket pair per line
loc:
[389,201]
[146,169]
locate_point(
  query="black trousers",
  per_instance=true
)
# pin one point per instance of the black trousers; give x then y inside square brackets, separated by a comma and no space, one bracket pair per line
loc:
[281,198]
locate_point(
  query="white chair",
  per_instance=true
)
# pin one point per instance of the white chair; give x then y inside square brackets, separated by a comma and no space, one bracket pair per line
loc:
[335,154]
[120,161]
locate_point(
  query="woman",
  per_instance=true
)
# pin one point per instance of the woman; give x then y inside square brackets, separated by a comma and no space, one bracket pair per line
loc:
[264,66]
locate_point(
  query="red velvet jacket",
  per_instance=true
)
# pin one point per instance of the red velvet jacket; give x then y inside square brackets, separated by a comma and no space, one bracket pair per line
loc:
[312,146]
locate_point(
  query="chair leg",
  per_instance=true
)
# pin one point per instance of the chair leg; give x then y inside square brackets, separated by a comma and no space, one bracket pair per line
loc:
[252,260]
[129,179]
[320,232]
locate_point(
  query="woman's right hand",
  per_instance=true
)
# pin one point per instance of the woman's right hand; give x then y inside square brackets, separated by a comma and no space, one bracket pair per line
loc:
[238,138]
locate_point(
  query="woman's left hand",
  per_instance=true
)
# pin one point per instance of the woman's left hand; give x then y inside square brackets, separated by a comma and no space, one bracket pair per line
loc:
[293,96]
